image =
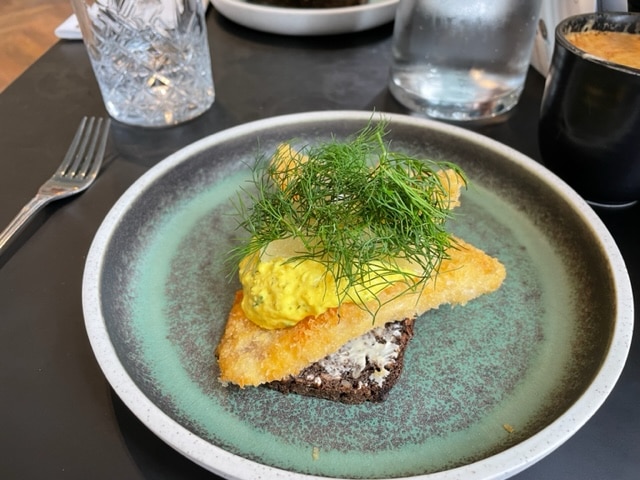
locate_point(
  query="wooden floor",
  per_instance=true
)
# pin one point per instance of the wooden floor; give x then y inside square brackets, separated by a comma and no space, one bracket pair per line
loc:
[26,32]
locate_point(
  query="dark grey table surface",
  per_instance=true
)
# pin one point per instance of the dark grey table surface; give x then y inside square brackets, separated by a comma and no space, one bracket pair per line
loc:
[59,416]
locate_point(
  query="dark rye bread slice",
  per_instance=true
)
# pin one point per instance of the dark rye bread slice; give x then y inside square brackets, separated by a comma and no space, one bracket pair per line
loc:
[310,3]
[363,370]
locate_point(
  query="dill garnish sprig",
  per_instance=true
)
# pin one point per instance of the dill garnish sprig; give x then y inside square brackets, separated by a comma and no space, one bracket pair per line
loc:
[357,207]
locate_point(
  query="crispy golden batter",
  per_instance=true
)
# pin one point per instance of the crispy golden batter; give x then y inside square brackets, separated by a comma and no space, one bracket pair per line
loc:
[249,355]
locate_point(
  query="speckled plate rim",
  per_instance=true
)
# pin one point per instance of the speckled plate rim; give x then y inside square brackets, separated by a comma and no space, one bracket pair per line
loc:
[308,21]
[501,465]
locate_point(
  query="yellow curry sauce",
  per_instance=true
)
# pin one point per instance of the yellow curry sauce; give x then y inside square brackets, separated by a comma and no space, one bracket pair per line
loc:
[280,290]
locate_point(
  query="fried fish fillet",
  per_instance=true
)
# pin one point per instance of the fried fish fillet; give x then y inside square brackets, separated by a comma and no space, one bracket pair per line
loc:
[249,355]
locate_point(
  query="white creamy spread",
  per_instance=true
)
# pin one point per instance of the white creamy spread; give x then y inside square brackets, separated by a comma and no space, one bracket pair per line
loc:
[380,347]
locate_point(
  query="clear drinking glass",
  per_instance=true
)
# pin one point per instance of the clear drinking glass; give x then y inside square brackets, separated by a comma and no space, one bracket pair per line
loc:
[150,57]
[462,59]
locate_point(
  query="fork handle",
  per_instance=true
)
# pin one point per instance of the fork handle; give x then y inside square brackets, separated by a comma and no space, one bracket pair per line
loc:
[20,220]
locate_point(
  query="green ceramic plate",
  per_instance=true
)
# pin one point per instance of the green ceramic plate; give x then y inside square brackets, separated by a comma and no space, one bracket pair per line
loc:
[488,388]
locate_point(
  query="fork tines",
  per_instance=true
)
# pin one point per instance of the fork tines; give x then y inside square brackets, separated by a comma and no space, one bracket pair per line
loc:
[91,135]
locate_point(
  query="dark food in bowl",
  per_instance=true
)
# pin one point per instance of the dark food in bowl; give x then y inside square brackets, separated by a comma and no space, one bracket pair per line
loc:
[310,3]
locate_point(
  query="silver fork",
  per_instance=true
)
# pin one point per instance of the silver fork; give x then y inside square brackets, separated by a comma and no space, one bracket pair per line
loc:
[76,173]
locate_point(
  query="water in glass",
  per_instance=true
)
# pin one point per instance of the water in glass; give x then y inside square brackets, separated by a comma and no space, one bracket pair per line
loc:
[462,59]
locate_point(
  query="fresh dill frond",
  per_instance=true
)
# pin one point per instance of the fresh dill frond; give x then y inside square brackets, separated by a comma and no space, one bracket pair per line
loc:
[353,204]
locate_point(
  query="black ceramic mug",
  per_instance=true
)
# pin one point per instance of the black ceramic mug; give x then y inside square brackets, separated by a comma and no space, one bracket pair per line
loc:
[589,131]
